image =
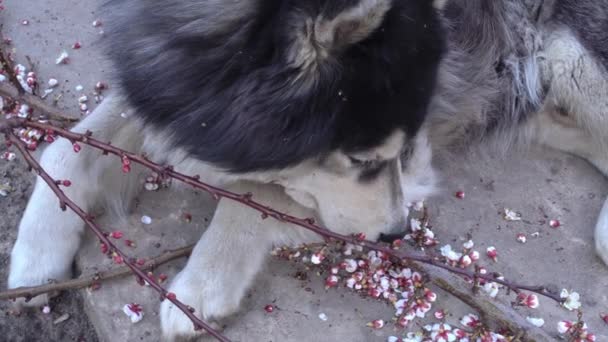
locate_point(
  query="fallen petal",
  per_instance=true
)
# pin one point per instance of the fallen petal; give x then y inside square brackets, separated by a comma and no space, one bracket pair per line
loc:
[537,322]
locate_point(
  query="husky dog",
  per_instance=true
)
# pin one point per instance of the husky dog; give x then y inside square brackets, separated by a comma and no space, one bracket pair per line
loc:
[323,108]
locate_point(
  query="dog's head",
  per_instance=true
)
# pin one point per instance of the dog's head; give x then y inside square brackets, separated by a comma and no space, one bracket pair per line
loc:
[326,97]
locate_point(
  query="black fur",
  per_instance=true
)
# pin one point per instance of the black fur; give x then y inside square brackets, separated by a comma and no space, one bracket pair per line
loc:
[227,94]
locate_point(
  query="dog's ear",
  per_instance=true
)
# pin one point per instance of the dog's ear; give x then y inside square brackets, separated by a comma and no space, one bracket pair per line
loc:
[440,4]
[322,35]
[352,25]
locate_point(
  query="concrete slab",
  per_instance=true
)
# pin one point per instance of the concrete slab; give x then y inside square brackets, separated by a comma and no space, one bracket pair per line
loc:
[541,185]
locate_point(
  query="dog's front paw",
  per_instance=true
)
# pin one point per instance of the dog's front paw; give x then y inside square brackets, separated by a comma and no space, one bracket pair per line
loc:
[32,265]
[211,302]
[176,326]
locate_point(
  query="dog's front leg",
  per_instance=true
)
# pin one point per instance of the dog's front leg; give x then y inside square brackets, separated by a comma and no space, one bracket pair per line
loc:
[48,237]
[227,258]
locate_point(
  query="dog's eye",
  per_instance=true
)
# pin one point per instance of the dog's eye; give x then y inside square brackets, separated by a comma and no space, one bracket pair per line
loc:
[364,164]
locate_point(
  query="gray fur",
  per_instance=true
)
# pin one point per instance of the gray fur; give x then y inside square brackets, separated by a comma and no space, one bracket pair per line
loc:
[490,79]
[475,100]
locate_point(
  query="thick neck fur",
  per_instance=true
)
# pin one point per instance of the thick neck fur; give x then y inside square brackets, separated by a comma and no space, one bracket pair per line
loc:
[490,77]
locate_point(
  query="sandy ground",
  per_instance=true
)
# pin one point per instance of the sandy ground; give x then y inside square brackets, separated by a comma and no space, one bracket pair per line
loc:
[541,185]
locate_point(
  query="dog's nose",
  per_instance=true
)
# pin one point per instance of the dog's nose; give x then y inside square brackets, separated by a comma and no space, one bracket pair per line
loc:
[392,237]
[398,231]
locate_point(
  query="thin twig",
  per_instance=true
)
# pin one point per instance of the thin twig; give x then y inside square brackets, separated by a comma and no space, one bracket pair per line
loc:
[16,92]
[65,202]
[52,113]
[266,211]
[89,280]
